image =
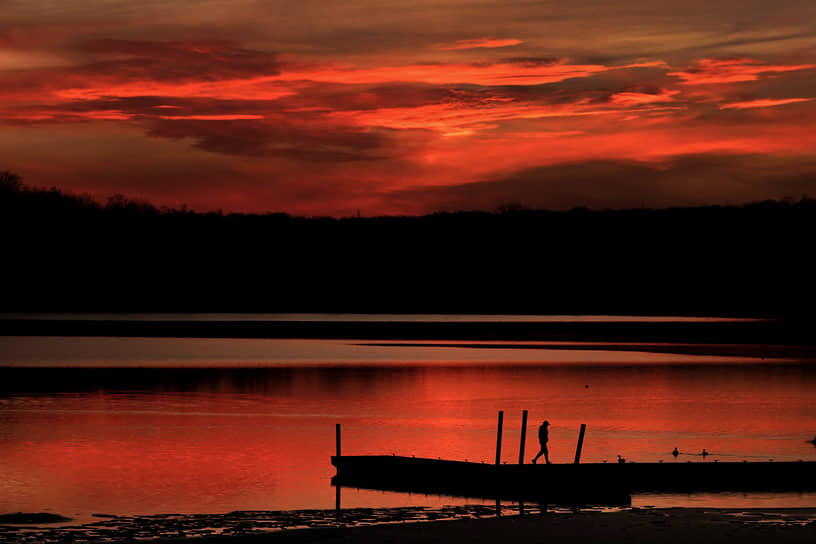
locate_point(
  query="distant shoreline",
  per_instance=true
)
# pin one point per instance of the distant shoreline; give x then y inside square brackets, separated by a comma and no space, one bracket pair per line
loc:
[758,351]
[759,339]
[751,332]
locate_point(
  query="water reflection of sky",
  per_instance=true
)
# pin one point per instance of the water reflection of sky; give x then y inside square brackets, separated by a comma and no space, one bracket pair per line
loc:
[216,352]
[402,318]
[249,424]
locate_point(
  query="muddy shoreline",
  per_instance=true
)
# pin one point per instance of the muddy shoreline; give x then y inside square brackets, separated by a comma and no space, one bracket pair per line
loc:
[472,523]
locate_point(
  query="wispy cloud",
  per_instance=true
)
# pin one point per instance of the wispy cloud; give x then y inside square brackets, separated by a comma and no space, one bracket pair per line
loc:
[486,73]
[762,103]
[237,117]
[477,43]
[639,98]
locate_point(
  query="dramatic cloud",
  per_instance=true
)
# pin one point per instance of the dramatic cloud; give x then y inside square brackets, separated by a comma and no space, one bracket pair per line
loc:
[713,71]
[329,108]
[175,61]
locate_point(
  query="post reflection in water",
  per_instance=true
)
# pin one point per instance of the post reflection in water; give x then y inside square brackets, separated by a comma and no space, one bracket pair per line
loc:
[157,440]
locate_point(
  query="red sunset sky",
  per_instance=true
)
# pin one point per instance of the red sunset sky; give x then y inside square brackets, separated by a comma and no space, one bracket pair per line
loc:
[328,107]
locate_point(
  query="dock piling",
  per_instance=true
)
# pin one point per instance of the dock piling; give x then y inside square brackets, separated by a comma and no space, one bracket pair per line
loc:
[580,443]
[337,437]
[337,498]
[523,436]
[499,437]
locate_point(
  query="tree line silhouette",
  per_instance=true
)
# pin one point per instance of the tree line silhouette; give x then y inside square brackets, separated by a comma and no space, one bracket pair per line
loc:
[66,252]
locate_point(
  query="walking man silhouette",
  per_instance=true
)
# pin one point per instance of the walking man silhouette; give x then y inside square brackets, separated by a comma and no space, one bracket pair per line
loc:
[543,438]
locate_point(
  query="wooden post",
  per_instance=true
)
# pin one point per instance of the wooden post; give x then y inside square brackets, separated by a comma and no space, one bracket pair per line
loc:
[337,444]
[523,436]
[337,437]
[580,443]
[498,438]
[337,498]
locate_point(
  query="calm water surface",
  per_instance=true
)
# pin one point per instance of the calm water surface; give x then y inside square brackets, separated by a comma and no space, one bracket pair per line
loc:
[141,426]
[405,318]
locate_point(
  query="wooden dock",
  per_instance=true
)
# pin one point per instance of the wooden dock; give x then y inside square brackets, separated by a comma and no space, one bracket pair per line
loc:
[586,483]
[575,483]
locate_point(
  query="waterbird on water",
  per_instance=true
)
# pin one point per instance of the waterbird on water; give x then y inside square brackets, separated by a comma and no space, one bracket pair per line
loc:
[704,453]
[675,452]
[621,459]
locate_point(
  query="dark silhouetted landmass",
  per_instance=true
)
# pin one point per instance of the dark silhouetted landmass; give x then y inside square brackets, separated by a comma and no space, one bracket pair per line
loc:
[32,518]
[64,252]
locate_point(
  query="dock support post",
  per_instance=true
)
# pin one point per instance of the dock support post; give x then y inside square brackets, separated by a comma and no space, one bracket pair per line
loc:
[337,491]
[337,499]
[580,443]
[523,436]
[337,437]
[498,437]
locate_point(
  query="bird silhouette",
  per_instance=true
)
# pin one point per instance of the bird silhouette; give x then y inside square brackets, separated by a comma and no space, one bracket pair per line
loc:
[675,452]
[621,459]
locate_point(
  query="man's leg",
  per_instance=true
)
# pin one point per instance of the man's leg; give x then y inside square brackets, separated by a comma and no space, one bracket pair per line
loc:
[546,454]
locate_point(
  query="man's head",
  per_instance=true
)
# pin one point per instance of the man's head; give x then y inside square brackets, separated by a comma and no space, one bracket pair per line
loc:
[545,423]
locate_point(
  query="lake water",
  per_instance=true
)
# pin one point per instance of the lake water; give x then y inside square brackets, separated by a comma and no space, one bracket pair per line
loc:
[403,318]
[144,426]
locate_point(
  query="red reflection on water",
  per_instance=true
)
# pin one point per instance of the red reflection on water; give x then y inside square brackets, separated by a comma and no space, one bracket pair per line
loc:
[222,440]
